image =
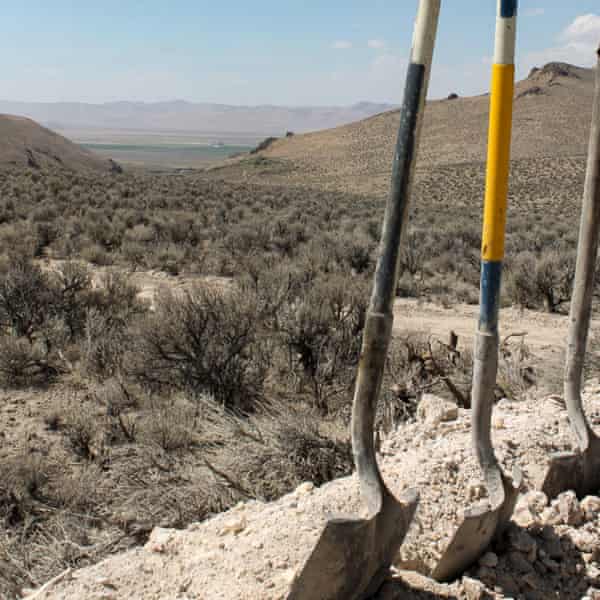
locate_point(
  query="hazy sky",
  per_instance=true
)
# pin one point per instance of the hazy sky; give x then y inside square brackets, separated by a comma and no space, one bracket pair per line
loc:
[293,52]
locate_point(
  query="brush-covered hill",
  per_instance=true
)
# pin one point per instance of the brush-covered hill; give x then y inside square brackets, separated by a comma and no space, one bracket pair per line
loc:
[551,121]
[24,142]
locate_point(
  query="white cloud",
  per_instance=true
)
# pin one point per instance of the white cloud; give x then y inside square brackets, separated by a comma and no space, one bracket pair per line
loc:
[376,44]
[584,29]
[534,12]
[576,44]
[341,45]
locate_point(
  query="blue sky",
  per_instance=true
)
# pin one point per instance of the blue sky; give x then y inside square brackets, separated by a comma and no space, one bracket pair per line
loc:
[294,52]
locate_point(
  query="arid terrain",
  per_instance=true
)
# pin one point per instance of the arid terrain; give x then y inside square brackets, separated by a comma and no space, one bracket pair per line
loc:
[551,121]
[175,345]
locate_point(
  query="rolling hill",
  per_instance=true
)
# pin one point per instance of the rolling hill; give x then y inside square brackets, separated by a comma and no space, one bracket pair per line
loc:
[551,121]
[25,143]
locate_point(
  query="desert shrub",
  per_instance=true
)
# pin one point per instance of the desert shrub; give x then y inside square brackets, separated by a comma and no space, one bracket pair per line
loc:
[554,278]
[110,312]
[412,254]
[169,425]
[105,344]
[23,363]
[83,428]
[419,363]
[205,342]
[263,145]
[26,299]
[168,258]
[356,254]
[271,454]
[96,255]
[134,253]
[73,282]
[544,281]
[322,331]
[516,374]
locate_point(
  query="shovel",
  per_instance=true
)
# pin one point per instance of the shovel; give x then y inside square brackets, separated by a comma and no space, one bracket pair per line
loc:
[581,471]
[482,524]
[353,554]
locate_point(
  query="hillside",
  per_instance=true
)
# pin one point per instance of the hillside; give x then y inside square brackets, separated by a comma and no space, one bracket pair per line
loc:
[25,143]
[551,121]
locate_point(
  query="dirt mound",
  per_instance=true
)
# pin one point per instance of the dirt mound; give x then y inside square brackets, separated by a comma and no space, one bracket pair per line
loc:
[256,549]
[24,142]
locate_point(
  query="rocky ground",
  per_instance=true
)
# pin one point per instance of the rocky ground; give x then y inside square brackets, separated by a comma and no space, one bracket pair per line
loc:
[552,548]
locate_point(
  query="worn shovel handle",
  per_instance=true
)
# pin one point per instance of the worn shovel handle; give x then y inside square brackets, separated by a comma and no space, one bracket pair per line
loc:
[379,317]
[485,365]
[583,286]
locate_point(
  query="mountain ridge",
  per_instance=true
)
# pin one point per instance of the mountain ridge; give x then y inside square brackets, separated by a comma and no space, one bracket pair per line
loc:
[181,115]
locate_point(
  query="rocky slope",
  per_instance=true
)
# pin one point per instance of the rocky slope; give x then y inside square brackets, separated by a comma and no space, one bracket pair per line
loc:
[552,549]
[24,143]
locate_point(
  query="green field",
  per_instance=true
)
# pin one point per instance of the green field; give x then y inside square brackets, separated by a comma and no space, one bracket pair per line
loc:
[165,155]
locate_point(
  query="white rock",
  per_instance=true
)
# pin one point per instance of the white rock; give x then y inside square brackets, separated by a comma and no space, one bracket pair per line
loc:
[159,539]
[550,516]
[305,489]
[584,540]
[498,423]
[234,525]
[434,410]
[591,507]
[535,501]
[524,517]
[474,589]
[569,509]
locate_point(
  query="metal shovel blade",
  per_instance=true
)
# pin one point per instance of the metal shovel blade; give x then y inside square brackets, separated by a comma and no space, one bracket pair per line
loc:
[353,556]
[578,471]
[480,527]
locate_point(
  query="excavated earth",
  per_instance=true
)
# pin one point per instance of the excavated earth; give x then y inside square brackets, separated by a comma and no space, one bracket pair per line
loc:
[551,550]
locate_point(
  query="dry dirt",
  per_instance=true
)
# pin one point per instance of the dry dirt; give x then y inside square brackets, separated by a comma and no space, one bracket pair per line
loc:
[544,332]
[254,550]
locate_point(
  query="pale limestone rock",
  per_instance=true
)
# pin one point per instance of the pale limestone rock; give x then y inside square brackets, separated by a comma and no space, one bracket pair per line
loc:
[535,501]
[474,590]
[591,507]
[159,539]
[584,540]
[434,410]
[305,489]
[569,509]
[236,524]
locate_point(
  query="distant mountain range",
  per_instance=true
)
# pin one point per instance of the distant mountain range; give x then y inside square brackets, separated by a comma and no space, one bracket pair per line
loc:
[184,116]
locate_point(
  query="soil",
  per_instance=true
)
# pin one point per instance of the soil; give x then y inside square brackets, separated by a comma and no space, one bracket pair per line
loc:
[256,549]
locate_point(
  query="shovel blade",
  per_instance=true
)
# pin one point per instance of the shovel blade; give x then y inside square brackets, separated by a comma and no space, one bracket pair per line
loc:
[579,471]
[565,472]
[481,526]
[352,556]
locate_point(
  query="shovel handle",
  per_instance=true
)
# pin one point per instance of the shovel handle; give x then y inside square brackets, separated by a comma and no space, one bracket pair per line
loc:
[583,286]
[492,249]
[378,326]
